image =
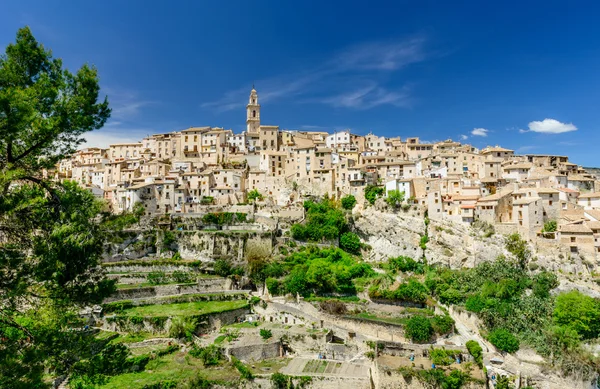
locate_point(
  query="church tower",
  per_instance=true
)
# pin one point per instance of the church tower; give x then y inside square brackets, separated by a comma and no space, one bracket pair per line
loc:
[253,113]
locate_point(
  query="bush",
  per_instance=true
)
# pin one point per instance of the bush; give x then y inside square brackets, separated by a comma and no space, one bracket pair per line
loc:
[182,327]
[348,202]
[333,307]
[265,334]
[476,351]
[578,312]
[372,192]
[350,242]
[183,277]
[243,369]
[504,340]
[279,381]
[210,355]
[394,198]
[418,328]
[549,226]
[254,194]
[442,324]
[273,286]
[404,264]
[157,277]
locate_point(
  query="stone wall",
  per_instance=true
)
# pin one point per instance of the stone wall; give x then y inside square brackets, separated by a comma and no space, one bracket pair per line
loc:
[213,322]
[203,286]
[255,352]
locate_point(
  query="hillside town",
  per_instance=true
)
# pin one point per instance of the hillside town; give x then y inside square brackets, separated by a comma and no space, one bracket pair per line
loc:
[184,171]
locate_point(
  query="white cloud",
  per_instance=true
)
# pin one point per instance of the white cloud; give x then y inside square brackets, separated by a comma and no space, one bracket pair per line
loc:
[334,80]
[368,97]
[103,139]
[551,126]
[479,132]
[464,137]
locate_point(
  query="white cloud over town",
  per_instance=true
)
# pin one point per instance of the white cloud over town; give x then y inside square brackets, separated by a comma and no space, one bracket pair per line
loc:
[479,132]
[551,126]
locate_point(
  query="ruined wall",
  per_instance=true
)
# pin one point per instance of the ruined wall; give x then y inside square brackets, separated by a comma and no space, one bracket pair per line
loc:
[256,352]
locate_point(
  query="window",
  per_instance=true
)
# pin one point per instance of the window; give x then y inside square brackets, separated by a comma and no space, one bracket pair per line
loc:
[253,114]
[573,239]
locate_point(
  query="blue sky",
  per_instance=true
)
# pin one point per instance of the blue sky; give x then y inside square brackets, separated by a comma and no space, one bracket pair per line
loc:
[486,72]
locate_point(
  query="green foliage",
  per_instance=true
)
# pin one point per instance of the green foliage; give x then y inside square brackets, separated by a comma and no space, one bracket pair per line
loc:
[350,242]
[372,192]
[168,238]
[519,248]
[254,194]
[323,271]
[245,372]
[442,324]
[579,312]
[210,355]
[183,277]
[273,285]
[543,283]
[549,226]
[412,291]
[280,381]
[394,198]
[157,277]
[265,334]
[423,242]
[443,357]
[324,221]
[348,202]
[404,264]
[206,200]
[418,328]
[182,327]
[223,218]
[504,340]
[476,351]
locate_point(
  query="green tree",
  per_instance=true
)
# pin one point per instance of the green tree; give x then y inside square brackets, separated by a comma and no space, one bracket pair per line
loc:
[254,195]
[394,198]
[504,340]
[579,312]
[418,328]
[549,226]
[51,238]
[350,242]
[476,351]
[372,192]
[519,248]
[348,202]
[265,334]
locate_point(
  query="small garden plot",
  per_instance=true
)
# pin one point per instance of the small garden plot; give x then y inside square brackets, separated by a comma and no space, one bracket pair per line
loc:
[184,309]
[322,367]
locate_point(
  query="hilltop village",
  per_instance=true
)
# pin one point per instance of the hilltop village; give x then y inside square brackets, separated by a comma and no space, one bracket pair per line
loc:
[282,259]
[188,171]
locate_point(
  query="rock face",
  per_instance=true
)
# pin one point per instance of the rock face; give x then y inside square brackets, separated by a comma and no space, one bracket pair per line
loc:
[400,233]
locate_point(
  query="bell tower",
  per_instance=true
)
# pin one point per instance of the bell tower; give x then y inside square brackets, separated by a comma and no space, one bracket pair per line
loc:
[253,113]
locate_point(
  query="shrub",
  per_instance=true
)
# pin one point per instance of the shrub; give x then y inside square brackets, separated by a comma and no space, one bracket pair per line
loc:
[157,277]
[348,202]
[394,198]
[442,357]
[182,327]
[418,328]
[254,194]
[404,264]
[183,277]
[333,307]
[273,286]
[504,340]
[350,242]
[210,355]
[578,312]
[279,381]
[243,369]
[265,334]
[543,283]
[476,351]
[549,226]
[442,324]
[372,192]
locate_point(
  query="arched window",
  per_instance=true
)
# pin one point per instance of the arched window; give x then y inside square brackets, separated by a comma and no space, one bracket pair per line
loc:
[253,101]
[253,114]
